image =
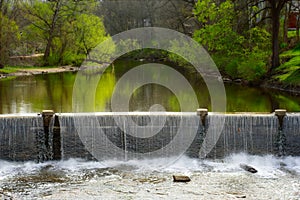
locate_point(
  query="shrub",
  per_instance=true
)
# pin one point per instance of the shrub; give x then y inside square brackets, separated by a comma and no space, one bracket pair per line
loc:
[231,68]
[252,68]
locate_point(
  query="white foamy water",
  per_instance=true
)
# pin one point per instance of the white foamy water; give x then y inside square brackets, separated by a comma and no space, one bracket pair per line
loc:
[277,178]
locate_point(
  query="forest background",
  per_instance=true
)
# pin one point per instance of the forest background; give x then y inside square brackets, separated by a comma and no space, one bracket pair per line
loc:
[253,41]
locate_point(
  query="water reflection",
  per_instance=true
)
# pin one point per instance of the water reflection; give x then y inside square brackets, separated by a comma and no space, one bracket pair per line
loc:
[54,91]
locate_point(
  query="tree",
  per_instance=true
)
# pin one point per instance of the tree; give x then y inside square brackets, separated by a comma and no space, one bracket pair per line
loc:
[238,52]
[9,31]
[217,22]
[52,18]
[276,7]
[260,10]
[89,31]
[119,15]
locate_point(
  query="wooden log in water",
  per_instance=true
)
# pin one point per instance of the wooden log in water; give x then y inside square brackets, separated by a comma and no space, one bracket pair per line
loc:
[181,179]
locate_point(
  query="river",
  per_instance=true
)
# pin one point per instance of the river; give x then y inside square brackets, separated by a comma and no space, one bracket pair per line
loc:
[32,94]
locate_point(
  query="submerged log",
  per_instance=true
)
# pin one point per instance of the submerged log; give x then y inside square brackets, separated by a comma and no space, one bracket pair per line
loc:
[248,168]
[181,178]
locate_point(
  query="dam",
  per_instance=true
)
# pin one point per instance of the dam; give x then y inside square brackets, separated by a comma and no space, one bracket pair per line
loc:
[107,135]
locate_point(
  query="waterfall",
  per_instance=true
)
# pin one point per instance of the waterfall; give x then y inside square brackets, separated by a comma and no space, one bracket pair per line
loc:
[18,134]
[291,132]
[251,133]
[127,135]
[71,144]
[139,135]
[44,142]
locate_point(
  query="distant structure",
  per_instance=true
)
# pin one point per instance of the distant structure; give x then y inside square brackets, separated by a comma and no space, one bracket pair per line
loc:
[294,15]
[147,22]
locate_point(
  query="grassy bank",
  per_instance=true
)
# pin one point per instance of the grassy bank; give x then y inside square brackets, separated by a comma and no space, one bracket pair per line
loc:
[288,74]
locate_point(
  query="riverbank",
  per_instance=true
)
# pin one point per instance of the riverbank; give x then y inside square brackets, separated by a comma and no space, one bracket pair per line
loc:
[9,72]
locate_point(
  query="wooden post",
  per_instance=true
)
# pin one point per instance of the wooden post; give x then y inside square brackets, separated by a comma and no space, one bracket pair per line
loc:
[47,115]
[280,113]
[202,112]
[281,138]
[56,145]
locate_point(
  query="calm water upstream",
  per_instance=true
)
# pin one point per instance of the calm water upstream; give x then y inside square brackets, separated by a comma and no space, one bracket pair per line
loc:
[54,91]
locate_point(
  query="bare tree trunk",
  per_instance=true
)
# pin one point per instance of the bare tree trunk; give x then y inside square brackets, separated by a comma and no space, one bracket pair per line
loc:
[275,38]
[285,24]
[2,56]
[297,28]
[1,46]
[276,7]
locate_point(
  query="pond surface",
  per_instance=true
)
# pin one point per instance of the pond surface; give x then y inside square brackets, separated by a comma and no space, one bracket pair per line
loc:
[32,94]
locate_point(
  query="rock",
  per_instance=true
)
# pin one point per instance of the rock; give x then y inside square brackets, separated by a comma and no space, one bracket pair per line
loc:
[181,178]
[1,66]
[2,76]
[237,195]
[227,80]
[248,168]
[238,81]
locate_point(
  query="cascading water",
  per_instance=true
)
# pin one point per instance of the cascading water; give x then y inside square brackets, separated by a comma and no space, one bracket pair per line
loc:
[127,136]
[251,133]
[20,137]
[24,138]
[71,144]
[139,135]
[291,133]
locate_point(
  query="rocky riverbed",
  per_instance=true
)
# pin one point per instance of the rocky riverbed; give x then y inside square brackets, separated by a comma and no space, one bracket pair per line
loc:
[276,178]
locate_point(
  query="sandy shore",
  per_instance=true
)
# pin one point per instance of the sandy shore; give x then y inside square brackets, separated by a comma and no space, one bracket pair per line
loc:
[30,72]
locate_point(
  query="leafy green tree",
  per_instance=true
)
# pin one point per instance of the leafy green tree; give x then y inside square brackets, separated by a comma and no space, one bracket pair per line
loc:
[59,23]
[272,9]
[235,51]
[9,37]
[276,7]
[89,31]
[216,32]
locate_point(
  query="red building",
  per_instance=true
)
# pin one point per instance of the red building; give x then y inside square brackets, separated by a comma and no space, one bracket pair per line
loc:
[293,20]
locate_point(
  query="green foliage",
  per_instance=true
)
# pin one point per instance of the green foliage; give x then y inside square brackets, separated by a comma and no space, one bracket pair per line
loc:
[292,34]
[289,72]
[184,51]
[259,38]
[238,55]
[232,68]
[9,37]
[68,28]
[217,32]
[253,68]
[293,78]
[89,32]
